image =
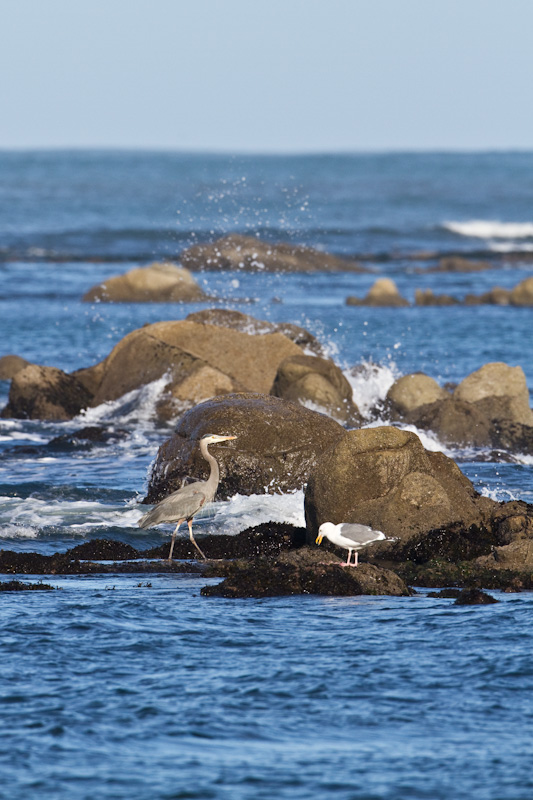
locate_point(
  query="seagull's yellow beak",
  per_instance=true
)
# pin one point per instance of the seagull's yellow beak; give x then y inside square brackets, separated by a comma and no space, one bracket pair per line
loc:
[318,539]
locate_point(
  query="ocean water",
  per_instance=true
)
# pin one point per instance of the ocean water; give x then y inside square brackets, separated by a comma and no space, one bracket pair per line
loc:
[113,688]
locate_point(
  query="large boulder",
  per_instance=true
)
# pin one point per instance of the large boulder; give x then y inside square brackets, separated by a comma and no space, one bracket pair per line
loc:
[383,292]
[235,252]
[229,318]
[383,477]
[413,391]
[189,351]
[277,445]
[45,393]
[319,384]
[157,283]
[498,391]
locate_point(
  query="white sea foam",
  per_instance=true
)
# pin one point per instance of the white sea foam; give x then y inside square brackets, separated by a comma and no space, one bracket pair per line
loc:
[25,517]
[370,383]
[240,511]
[133,407]
[491,229]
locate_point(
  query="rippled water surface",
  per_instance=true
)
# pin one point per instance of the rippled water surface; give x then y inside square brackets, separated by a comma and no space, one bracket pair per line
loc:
[116,688]
[128,687]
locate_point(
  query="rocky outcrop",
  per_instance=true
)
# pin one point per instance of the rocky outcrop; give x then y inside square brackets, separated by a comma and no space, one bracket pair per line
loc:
[277,445]
[157,283]
[384,292]
[383,477]
[207,354]
[10,365]
[45,393]
[197,358]
[460,264]
[319,384]
[489,408]
[426,297]
[264,578]
[236,252]
[520,295]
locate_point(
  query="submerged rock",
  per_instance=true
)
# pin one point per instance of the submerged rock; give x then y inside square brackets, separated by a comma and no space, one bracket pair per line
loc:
[277,445]
[19,586]
[157,283]
[246,252]
[474,597]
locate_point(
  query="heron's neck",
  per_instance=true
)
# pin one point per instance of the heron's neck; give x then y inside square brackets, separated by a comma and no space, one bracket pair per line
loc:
[212,481]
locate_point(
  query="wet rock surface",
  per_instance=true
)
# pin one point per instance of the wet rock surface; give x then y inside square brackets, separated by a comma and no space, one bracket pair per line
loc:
[474,597]
[19,586]
[264,578]
[38,392]
[278,443]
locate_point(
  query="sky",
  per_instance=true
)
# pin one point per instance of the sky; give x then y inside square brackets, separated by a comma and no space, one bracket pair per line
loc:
[267,75]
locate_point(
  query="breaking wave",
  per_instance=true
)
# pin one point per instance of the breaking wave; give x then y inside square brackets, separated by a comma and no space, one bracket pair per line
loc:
[491,229]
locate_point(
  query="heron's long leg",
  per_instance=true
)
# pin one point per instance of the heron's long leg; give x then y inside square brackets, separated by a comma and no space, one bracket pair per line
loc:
[173,540]
[193,540]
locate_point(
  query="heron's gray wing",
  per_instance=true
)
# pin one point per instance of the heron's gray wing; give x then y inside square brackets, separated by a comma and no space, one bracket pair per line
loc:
[183,504]
[359,534]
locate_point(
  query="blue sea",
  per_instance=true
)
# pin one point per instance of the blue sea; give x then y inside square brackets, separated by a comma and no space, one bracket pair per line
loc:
[121,686]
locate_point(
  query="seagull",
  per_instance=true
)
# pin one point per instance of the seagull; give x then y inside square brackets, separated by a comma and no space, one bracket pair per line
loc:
[352,536]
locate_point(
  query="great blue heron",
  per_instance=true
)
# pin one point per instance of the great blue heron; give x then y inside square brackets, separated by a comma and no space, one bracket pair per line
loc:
[351,536]
[187,501]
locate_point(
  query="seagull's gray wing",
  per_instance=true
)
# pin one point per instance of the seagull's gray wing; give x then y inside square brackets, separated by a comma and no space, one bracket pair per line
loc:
[359,534]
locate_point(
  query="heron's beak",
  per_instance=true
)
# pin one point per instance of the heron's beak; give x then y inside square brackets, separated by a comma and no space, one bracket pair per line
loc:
[318,539]
[226,438]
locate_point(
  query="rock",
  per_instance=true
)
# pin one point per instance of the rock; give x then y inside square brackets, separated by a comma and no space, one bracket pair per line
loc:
[498,391]
[516,556]
[522,294]
[264,578]
[157,283]
[384,292]
[413,391]
[318,383]
[474,597]
[19,586]
[497,296]
[226,318]
[460,264]
[246,252]
[277,446]
[446,593]
[426,297]
[191,353]
[86,437]
[45,393]
[383,477]
[454,421]
[10,365]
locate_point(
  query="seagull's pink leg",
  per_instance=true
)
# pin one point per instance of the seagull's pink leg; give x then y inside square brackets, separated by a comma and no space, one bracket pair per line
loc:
[355,563]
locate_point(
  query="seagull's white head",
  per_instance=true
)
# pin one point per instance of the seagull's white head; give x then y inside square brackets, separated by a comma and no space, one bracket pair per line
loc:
[325,528]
